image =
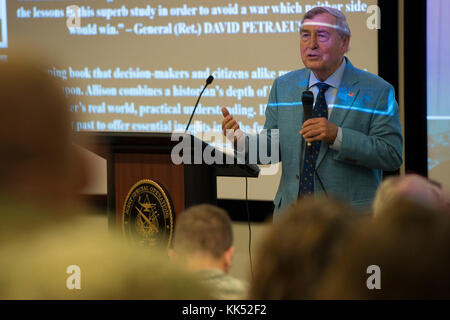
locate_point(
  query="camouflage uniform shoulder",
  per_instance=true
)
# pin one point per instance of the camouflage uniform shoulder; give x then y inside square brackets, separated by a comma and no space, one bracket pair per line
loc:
[224,286]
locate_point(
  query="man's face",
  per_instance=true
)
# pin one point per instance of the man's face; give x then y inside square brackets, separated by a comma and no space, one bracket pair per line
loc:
[321,47]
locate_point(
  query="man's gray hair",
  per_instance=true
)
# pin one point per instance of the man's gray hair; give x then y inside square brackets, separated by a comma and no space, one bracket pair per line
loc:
[341,21]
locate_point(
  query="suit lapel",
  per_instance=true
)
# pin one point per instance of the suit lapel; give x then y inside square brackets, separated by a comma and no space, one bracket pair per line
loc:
[344,101]
[297,91]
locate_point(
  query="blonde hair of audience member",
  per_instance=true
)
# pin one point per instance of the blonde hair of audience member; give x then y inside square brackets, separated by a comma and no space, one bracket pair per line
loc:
[297,248]
[203,240]
[413,187]
[35,133]
[409,243]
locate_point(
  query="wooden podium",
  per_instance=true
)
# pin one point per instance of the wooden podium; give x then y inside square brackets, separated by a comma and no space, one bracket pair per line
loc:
[135,156]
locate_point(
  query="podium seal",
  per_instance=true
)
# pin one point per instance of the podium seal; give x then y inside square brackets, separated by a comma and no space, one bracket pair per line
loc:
[148,215]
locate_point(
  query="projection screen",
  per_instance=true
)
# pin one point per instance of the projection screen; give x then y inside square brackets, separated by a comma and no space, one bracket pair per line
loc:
[138,66]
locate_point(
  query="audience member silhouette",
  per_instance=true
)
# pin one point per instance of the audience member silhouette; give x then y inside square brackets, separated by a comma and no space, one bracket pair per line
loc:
[203,240]
[298,247]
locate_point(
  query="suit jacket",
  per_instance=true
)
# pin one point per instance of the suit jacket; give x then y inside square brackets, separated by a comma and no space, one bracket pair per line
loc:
[366,110]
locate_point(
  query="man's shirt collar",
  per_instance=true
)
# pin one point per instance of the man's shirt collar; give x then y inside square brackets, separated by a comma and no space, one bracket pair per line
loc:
[334,80]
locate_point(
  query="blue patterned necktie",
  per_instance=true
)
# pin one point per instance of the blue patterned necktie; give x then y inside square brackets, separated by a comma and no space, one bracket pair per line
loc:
[320,110]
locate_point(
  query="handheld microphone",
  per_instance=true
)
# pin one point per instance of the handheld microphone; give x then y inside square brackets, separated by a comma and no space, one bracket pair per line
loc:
[208,82]
[307,100]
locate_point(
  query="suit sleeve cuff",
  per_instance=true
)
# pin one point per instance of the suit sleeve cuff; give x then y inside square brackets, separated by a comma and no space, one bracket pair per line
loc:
[338,141]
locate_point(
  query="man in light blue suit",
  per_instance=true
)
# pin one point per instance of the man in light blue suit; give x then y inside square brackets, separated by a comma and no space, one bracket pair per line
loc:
[357,138]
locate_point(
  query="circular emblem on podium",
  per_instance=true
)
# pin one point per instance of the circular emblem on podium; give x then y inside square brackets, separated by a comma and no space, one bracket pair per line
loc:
[148,215]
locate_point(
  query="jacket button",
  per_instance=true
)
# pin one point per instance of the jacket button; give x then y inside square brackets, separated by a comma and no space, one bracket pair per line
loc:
[298,177]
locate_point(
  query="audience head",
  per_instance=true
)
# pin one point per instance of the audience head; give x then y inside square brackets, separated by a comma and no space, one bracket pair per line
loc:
[295,251]
[38,158]
[204,237]
[412,187]
[408,243]
[41,171]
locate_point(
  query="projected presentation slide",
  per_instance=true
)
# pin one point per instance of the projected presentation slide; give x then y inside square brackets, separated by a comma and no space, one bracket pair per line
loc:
[438,90]
[138,66]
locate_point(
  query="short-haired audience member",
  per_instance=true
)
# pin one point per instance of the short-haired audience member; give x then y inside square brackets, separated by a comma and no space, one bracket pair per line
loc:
[413,187]
[298,247]
[203,240]
[402,254]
